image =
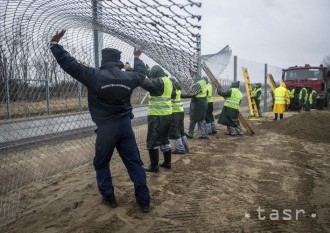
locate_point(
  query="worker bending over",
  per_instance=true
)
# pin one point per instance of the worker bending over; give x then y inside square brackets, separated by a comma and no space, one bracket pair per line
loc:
[198,107]
[230,111]
[209,118]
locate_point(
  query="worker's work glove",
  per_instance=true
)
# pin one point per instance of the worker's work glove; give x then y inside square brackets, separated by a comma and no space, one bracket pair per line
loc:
[57,37]
[147,67]
[137,53]
[127,66]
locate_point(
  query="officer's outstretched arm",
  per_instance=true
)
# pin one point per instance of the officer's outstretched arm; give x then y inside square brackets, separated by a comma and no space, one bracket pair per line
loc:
[139,67]
[69,64]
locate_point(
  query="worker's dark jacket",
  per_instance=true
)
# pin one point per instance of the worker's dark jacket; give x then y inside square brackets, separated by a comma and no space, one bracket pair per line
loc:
[229,116]
[198,106]
[109,88]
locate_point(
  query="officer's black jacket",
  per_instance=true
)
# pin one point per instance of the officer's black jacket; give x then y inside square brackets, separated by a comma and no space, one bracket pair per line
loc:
[109,88]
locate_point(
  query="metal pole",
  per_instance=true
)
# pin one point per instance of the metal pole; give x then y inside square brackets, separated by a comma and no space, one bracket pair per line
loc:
[80,96]
[265,88]
[199,54]
[47,88]
[5,71]
[144,98]
[97,36]
[235,68]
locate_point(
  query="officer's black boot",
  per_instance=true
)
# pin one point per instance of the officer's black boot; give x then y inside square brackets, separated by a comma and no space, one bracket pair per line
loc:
[110,200]
[154,160]
[167,160]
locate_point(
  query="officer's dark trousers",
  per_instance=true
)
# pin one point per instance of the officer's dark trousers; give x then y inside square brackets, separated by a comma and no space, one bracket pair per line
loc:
[119,134]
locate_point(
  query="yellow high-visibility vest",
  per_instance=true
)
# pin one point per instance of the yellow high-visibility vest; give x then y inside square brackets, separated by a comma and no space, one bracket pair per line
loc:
[203,84]
[209,93]
[234,100]
[311,96]
[177,105]
[279,94]
[255,91]
[291,93]
[161,105]
[300,94]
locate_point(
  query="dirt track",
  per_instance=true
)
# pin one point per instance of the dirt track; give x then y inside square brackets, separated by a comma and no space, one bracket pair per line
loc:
[213,189]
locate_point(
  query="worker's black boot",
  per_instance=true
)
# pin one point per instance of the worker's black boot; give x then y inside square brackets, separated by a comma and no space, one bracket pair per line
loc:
[167,160]
[111,200]
[154,160]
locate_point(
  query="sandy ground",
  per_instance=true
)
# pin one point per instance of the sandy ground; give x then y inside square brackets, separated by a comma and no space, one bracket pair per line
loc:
[218,187]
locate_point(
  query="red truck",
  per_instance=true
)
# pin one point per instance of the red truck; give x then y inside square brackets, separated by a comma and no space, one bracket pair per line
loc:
[317,77]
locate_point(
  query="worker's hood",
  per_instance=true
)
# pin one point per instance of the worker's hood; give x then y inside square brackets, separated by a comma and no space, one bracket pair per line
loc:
[198,78]
[176,84]
[235,84]
[157,72]
[206,79]
[283,85]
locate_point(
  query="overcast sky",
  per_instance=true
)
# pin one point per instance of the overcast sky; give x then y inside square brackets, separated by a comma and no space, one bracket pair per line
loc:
[278,32]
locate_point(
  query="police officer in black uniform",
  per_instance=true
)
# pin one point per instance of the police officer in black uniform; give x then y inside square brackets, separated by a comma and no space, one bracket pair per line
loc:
[109,92]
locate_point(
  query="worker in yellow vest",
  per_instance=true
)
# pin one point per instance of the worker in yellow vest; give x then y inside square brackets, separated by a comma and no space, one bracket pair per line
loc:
[230,111]
[160,90]
[209,118]
[256,95]
[311,99]
[282,99]
[177,123]
[291,91]
[303,95]
[198,107]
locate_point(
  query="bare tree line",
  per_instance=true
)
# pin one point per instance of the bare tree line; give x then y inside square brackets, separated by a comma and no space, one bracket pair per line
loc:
[326,61]
[28,75]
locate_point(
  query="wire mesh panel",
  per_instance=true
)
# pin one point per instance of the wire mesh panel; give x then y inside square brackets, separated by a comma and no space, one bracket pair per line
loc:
[276,72]
[45,127]
[218,62]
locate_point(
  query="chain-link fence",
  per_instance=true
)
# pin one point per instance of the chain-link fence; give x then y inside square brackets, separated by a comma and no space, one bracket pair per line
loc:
[44,121]
[45,127]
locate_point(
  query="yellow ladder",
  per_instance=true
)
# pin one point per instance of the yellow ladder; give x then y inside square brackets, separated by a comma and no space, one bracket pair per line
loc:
[271,82]
[252,103]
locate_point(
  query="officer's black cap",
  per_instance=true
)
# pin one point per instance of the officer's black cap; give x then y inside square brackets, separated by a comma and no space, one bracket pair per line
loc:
[110,55]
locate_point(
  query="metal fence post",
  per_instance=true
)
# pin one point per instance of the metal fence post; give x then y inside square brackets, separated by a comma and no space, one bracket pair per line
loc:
[235,68]
[265,88]
[47,88]
[5,71]
[199,55]
[80,96]
[97,36]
